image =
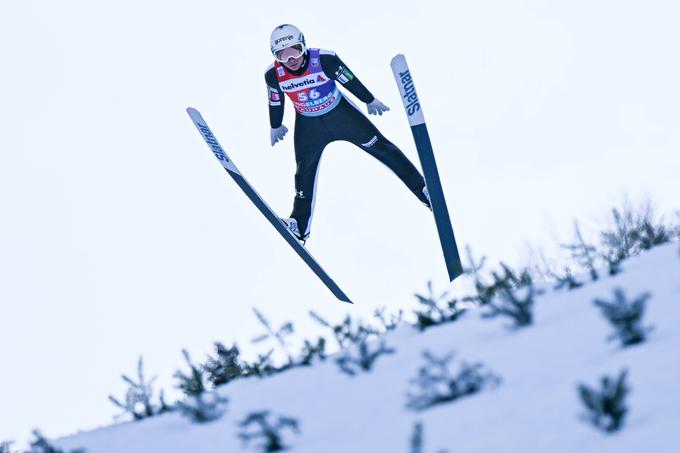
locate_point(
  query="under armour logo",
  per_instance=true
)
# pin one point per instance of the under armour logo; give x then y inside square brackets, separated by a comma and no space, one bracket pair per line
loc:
[370,143]
[299,194]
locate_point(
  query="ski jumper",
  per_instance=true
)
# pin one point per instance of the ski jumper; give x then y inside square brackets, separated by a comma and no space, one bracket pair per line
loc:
[323,115]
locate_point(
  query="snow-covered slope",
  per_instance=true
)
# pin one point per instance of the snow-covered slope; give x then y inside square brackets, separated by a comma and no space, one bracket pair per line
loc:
[534,409]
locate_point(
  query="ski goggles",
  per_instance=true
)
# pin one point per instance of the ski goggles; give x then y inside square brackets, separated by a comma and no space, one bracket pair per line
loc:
[293,52]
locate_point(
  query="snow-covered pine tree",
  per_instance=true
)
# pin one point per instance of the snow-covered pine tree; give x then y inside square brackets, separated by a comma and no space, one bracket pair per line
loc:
[200,405]
[270,433]
[138,401]
[626,317]
[6,447]
[225,366]
[435,384]
[606,407]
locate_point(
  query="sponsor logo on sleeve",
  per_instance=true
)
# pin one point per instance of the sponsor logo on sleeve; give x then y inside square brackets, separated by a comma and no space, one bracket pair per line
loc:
[274,97]
[344,75]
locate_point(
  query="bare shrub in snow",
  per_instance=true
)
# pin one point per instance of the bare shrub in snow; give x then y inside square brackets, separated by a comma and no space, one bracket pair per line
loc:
[606,407]
[436,309]
[367,354]
[225,366]
[436,384]
[626,317]
[632,230]
[348,332]
[42,445]
[138,401]
[200,405]
[269,432]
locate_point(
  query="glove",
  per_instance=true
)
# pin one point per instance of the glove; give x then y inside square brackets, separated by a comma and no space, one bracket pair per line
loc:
[377,108]
[278,133]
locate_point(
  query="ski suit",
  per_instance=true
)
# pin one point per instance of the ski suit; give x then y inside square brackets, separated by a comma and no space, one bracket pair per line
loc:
[324,115]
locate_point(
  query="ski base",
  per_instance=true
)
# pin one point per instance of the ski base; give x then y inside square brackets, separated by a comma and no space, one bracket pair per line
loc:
[414,112]
[260,204]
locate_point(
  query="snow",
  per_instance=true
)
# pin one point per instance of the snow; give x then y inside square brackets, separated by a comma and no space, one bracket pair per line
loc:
[534,409]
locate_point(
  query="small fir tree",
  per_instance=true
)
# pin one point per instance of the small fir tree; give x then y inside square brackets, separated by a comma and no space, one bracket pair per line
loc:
[474,269]
[279,334]
[506,280]
[312,351]
[42,445]
[261,367]
[566,280]
[138,401]
[606,407]
[650,235]
[513,297]
[435,384]
[388,322]
[348,332]
[436,310]
[626,317]
[269,432]
[200,404]
[368,353]
[583,253]
[225,366]
[417,438]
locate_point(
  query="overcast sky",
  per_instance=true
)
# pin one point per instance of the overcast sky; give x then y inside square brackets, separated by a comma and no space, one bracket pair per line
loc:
[122,236]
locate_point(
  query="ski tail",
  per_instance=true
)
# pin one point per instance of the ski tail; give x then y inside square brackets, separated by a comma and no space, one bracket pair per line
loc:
[416,119]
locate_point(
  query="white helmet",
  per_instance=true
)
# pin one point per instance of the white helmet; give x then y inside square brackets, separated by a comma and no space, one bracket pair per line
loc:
[285,36]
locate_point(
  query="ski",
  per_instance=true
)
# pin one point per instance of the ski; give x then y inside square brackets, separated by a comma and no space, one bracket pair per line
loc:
[268,213]
[414,112]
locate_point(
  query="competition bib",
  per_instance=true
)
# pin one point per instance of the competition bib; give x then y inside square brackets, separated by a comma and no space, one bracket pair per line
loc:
[313,93]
